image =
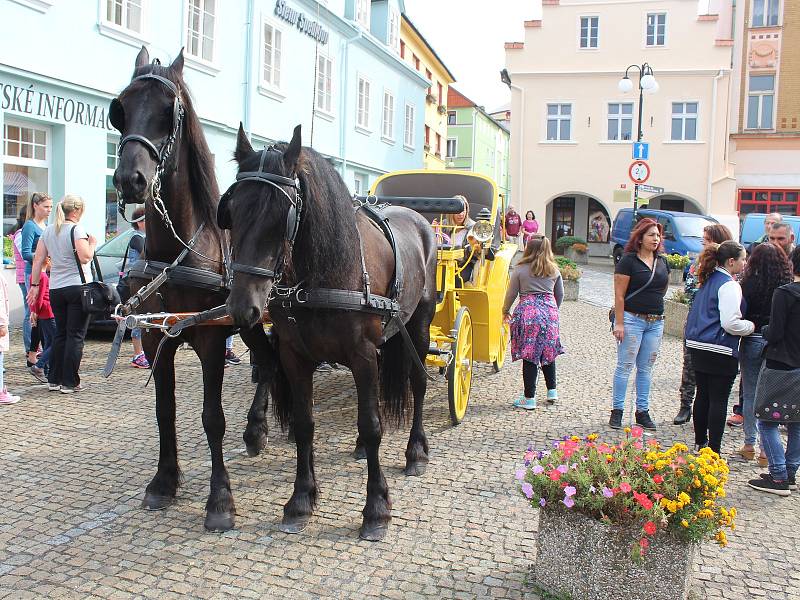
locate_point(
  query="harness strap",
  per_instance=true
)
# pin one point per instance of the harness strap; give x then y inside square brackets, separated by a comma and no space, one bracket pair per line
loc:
[250,270]
[179,275]
[350,300]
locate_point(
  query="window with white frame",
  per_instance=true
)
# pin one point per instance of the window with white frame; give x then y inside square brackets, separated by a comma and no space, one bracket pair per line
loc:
[112,224]
[589,27]
[25,166]
[394,30]
[324,100]
[452,147]
[620,121]
[765,13]
[126,14]
[387,127]
[362,12]
[760,101]
[451,117]
[408,131]
[271,68]
[559,122]
[656,29]
[684,121]
[362,114]
[201,23]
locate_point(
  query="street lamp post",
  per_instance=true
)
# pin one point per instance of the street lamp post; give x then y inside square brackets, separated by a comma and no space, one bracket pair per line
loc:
[648,85]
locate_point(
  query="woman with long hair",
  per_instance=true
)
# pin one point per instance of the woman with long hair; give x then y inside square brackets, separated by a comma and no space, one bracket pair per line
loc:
[535,333]
[712,234]
[767,269]
[459,228]
[57,242]
[36,214]
[19,263]
[714,330]
[641,279]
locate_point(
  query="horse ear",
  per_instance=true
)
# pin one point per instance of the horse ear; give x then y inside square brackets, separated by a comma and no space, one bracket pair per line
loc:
[243,147]
[142,58]
[292,154]
[177,64]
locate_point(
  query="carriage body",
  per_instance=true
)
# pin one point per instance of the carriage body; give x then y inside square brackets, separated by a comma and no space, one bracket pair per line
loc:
[468,324]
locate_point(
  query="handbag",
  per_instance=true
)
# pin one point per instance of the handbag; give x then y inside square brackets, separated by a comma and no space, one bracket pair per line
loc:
[611,315]
[776,395]
[97,297]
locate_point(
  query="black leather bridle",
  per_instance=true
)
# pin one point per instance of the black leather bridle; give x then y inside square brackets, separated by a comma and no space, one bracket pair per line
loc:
[279,182]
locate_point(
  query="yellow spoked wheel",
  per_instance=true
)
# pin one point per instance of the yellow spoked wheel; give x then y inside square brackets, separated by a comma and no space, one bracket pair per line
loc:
[505,335]
[459,371]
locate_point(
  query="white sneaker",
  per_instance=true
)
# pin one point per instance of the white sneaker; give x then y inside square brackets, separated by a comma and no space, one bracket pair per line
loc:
[53,387]
[6,398]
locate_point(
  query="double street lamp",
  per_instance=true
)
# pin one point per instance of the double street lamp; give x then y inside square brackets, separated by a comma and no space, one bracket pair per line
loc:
[647,85]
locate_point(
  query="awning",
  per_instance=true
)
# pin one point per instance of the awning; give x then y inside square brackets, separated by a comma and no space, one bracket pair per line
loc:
[16,183]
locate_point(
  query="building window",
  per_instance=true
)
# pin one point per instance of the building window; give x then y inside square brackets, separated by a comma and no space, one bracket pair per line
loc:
[438,147]
[620,121]
[271,72]
[387,129]
[362,116]
[589,27]
[26,167]
[324,100]
[200,29]
[126,14]
[394,29]
[767,201]
[415,60]
[452,147]
[451,117]
[408,130]
[112,224]
[760,101]
[362,12]
[429,77]
[402,49]
[765,13]
[440,89]
[656,29]
[684,121]
[427,138]
[559,121]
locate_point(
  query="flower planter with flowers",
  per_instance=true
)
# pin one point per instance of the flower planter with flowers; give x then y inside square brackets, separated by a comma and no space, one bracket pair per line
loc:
[571,278]
[677,266]
[623,520]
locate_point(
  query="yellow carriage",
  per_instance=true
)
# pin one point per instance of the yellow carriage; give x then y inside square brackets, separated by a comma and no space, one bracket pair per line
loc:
[468,324]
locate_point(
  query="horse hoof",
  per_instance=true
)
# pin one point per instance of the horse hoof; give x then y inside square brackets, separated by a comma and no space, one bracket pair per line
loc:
[360,453]
[256,448]
[294,525]
[373,533]
[415,469]
[156,502]
[219,521]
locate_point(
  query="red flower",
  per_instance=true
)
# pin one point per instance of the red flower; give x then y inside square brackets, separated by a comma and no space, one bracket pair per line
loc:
[636,432]
[554,475]
[644,543]
[658,479]
[650,528]
[625,487]
[658,496]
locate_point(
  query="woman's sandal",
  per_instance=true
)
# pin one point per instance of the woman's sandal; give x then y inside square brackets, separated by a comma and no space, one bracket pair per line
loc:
[745,453]
[762,461]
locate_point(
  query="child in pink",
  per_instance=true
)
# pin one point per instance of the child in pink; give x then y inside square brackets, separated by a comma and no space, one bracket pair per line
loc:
[5,397]
[43,318]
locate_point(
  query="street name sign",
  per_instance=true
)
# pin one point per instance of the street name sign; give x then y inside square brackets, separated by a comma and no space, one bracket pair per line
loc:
[641,151]
[639,171]
[651,189]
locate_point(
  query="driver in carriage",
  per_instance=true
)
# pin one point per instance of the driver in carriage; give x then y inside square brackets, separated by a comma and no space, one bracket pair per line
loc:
[459,229]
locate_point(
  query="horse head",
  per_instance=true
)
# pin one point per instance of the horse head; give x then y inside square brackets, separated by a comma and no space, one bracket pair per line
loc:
[149,114]
[262,209]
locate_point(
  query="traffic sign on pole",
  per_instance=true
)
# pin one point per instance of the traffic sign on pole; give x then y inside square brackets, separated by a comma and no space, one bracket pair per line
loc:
[651,189]
[639,171]
[641,151]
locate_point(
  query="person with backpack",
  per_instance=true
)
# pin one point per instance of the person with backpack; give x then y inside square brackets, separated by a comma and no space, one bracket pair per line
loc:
[133,252]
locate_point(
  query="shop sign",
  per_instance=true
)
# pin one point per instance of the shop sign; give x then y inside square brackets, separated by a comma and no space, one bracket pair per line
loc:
[36,103]
[301,21]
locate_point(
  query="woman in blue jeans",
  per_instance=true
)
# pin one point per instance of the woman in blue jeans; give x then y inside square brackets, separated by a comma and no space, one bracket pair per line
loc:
[767,269]
[783,354]
[640,283]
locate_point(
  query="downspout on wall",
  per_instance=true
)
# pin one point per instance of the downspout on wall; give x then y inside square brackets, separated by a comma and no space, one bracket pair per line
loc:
[712,136]
[344,101]
[248,68]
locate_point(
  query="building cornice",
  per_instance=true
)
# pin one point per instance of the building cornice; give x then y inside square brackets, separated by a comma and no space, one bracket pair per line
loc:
[617,72]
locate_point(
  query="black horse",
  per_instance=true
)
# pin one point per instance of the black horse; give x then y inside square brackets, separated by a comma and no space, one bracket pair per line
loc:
[293,231]
[165,163]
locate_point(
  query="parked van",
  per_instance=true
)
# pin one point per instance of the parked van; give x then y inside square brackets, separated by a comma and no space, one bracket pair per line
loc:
[683,232]
[753,227]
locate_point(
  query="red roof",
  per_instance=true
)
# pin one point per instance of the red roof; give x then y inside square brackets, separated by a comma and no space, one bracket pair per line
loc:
[456,99]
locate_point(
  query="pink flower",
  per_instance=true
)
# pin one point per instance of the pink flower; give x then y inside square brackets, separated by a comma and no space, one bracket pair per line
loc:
[542,502]
[650,528]
[636,431]
[554,475]
[607,492]
[527,489]
[537,469]
[625,487]
[658,479]
[570,491]
[562,469]
[568,502]
[520,474]
[638,446]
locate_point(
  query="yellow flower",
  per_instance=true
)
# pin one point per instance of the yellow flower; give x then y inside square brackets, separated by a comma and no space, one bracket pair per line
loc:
[708,503]
[711,480]
[684,497]
[732,511]
[627,430]
[684,523]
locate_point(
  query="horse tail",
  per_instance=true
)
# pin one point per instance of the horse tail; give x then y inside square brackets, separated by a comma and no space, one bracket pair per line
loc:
[281,398]
[395,370]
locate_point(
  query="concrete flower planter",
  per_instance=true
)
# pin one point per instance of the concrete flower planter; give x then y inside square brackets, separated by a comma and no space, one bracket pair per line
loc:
[582,258]
[675,314]
[571,290]
[676,276]
[583,559]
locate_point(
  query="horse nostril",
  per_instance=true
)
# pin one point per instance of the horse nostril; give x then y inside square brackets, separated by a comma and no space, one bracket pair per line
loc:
[255,315]
[138,181]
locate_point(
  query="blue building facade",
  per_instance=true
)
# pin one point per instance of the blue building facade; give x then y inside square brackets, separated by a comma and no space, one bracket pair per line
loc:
[331,66]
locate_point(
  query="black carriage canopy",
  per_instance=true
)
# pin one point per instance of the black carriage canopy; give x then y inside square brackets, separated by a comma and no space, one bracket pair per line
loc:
[479,192]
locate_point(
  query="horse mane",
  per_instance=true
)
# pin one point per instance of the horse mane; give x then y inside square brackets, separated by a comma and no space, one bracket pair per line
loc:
[202,177]
[327,244]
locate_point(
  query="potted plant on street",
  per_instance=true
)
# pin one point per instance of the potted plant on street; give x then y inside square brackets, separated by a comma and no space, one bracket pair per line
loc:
[571,277]
[574,248]
[676,310]
[622,520]
[677,265]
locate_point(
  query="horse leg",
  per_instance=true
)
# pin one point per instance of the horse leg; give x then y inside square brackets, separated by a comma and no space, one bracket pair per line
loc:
[298,510]
[420,333]
[378,508]
[161,490]
[220,509]
[264,360]
[360,453]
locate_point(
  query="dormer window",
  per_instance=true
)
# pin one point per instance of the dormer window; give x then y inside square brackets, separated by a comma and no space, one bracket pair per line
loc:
[362,12]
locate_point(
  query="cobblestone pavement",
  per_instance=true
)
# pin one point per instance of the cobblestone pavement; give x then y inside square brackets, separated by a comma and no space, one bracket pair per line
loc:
[74,470]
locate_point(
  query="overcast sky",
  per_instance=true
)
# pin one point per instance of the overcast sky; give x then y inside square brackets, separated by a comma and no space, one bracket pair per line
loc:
[468,35]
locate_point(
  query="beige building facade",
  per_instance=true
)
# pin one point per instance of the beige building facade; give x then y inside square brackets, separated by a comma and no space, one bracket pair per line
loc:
[573,130]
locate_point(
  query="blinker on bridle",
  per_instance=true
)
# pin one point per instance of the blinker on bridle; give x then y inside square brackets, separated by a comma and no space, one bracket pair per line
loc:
[292,216]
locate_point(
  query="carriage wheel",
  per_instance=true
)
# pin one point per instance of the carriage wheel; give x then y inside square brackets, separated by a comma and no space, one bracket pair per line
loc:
[459,371]
[505,334]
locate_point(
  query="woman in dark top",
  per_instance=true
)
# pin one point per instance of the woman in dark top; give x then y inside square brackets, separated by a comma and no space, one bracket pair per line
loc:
[767,269]
[640,283]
